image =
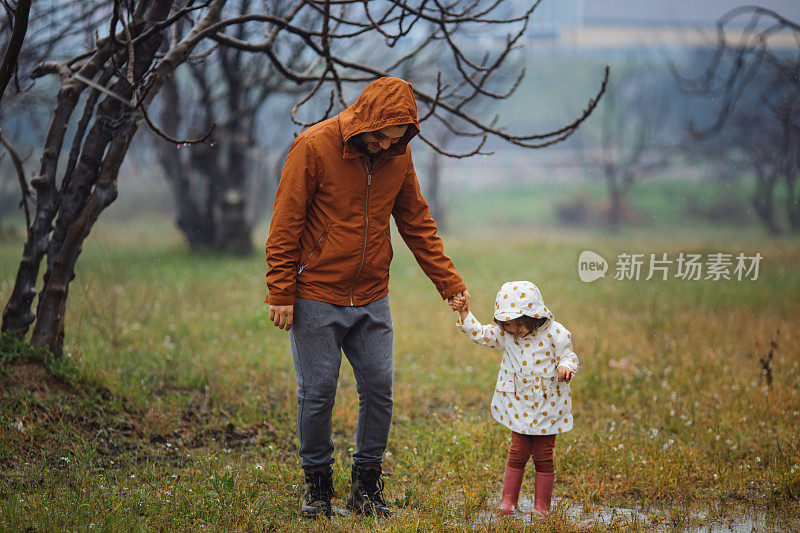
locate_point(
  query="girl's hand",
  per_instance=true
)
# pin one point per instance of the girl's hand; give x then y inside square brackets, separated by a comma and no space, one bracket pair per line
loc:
[565,374]
[457,302]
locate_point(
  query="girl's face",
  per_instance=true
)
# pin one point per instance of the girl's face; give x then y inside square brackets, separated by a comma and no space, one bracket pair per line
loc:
[518,327]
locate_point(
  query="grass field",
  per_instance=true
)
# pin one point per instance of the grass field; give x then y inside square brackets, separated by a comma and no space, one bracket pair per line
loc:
[668,205]
[174,409]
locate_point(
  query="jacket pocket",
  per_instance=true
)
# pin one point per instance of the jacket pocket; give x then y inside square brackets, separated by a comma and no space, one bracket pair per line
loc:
[550,387]
[506,386]
[315,250]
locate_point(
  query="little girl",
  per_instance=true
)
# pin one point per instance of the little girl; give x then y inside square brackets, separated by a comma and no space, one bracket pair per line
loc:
[532,397]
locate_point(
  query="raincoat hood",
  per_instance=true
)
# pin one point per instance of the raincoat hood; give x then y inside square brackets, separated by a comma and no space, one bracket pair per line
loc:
[517,298]
[384,102]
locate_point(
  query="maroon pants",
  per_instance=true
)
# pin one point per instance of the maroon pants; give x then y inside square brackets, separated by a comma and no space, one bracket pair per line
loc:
[540,447]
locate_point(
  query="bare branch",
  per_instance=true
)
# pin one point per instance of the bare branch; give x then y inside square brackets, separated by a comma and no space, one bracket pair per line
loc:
[51,67]
[23,185]
[743,60]
[11,55]
[80,131]
[161,133]
[476,151]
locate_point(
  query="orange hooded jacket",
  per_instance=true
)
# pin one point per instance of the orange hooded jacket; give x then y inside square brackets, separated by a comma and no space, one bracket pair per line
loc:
[329,238]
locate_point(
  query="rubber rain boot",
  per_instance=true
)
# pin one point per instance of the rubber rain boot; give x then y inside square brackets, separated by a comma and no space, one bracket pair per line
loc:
[544,491]
[512,481]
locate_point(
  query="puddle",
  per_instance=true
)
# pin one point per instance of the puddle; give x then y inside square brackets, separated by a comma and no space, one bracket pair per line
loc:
[727,519]
[730,520]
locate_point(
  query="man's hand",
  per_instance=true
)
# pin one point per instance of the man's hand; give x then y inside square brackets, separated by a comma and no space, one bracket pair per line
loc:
[282,315]
[565,374]
[459,301]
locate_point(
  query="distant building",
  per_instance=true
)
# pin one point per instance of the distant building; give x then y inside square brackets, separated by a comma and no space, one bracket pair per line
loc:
[552,18]
[624,24]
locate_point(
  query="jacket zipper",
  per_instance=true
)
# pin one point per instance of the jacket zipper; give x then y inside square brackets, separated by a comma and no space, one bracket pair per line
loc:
[366,232]
[314,249]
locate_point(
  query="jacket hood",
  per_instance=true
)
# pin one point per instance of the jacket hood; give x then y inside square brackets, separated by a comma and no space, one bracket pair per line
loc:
[384,102]
[517,298]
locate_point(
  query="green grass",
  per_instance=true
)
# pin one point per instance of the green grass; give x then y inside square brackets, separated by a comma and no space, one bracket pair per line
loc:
[176,407]
[670,204]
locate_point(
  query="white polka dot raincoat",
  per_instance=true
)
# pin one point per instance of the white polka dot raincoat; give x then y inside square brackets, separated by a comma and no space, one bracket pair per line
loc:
[528,398]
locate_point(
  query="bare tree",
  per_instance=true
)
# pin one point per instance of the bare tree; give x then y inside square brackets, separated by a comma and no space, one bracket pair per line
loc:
[755,85]
[123,68]
[127,69]
[54,26]
[632,141]
[212,182]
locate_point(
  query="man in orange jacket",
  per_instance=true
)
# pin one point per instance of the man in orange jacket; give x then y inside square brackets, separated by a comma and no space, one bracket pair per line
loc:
[328,254]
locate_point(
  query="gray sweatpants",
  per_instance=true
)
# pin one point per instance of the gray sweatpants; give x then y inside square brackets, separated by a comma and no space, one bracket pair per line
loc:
[320,331]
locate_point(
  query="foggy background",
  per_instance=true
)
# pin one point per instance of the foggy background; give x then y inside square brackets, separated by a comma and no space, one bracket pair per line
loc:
[564,52]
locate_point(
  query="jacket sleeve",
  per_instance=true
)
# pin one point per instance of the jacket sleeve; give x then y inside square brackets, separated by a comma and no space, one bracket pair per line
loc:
[418,229]
[489,335]
[295,192]
[565,355]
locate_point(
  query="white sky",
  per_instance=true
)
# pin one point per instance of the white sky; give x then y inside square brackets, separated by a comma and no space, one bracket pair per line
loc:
[691,11]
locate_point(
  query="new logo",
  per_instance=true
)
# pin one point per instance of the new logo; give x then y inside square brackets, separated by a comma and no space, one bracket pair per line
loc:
[591,266]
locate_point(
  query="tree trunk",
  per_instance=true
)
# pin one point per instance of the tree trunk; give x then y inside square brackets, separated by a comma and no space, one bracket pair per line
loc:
[235,231]
[193,221]
[218,214]
[793,200]
[615,209]
[49,328]
[796,195]
[90,189]
[18,315]
[222,167]
[616,201]
[433,190]
[764,200]
[207,174]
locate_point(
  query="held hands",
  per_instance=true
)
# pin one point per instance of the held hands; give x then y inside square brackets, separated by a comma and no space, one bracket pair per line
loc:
[565,374]
[460,302]
[282,315]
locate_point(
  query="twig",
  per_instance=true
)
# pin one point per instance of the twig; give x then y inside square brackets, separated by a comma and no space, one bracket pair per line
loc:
[161,133]
[23,185]
[766,361]
[105,90]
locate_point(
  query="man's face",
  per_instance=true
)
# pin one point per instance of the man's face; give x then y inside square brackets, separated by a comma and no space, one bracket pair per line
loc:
[375,141]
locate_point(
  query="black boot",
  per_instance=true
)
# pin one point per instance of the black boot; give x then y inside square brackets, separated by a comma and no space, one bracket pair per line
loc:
[366,491]
[319,491]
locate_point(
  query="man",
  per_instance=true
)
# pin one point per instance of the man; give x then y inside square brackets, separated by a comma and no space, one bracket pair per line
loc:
[328,253]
